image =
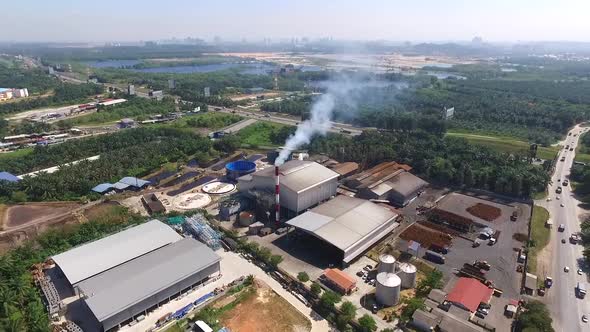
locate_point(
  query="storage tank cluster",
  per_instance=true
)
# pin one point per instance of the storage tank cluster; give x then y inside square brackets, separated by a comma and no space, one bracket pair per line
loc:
[391,278]
[407,274]
[388,288]
[386,264]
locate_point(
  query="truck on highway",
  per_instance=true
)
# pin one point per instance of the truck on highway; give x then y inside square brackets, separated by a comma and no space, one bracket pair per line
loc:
[581,290]
[434,257]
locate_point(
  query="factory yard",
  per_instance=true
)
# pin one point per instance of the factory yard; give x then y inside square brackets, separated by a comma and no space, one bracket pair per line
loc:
[233,266]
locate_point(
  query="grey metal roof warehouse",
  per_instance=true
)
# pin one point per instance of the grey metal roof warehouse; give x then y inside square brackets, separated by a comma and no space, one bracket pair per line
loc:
[95,257]
[350,224]
[130,288]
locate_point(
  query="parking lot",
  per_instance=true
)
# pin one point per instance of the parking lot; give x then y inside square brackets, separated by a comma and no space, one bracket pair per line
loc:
[501,256]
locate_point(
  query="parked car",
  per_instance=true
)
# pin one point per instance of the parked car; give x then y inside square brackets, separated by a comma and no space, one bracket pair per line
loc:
[485,305]
[480,315]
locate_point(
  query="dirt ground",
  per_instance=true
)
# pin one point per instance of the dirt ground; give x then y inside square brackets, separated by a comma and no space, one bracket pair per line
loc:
[18,215]
[99,210]
[266,311]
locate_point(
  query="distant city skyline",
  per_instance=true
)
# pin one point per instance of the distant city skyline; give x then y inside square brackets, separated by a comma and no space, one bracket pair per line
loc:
[394,20]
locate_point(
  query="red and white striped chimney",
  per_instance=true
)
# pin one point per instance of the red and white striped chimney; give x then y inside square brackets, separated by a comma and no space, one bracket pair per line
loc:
[277,196]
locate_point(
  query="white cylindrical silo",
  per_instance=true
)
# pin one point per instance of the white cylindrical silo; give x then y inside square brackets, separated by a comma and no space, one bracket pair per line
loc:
[407,274]
[388,288]
[386,264]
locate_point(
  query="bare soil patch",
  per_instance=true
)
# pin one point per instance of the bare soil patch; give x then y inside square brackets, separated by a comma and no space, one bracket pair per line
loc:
[485,212]
[18,215]
[264,311]
[426,236]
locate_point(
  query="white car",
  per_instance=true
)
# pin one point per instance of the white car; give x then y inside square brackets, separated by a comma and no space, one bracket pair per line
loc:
[561,205]
[548,199]
[584,318]
[556,197]
[580,271]
[566,269]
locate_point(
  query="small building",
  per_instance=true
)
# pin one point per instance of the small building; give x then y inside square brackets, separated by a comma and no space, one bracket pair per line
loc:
[153,204]
[437,295]
[530,283]
[126,123]
[469,293]
[5,176]
[339,280]
[424,321]
[451,323]
[255,228]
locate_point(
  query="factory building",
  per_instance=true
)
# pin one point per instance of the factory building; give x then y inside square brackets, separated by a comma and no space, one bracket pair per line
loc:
[388,181]
[131,272]
[303,184]
[118,295]
[352,225]
[83,262]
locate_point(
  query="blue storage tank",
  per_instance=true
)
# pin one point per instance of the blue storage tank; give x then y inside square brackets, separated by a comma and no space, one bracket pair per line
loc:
[239,168]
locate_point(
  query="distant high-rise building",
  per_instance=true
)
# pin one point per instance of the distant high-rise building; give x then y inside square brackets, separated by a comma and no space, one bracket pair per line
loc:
[171,84]
[207,91]
[448,113]
[156,94]
[131,90]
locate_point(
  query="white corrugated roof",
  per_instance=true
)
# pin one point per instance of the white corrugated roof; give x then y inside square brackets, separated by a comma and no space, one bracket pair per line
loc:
[95,257]
[343,221]
[117,289]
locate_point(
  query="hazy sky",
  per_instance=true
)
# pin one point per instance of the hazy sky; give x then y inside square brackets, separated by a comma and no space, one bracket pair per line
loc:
[399,20]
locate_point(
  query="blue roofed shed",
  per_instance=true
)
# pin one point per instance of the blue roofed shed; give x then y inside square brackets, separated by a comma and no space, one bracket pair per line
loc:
[103,188]
[120,186]
[5,176]
[134,182]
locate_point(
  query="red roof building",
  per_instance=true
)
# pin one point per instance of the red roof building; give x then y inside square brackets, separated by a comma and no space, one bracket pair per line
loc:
[344,283]
[468,293]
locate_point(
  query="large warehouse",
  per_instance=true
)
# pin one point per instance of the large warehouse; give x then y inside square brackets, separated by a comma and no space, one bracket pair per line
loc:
[350,224]
[388,181]
[303,183]
[127,273]
[90,259]
[118,295]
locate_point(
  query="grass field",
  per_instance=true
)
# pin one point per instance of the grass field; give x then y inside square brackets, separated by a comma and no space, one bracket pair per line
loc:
[16,154]
[260,134]
[506,144]
[539,235]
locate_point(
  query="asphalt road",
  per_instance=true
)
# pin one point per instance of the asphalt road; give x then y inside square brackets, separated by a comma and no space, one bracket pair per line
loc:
[566,309]
[336,127]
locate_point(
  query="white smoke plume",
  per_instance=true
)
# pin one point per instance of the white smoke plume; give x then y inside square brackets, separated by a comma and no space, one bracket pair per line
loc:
[321,114]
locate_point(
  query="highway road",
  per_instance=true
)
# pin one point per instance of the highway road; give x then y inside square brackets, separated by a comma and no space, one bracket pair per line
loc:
[566,309]
[292,121]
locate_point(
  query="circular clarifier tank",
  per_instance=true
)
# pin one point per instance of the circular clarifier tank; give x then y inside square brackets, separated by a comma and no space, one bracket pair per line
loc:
[218,188]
